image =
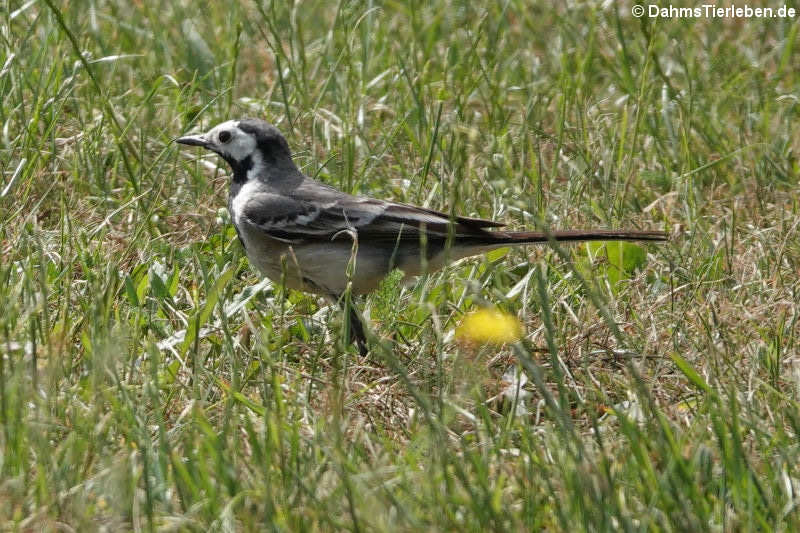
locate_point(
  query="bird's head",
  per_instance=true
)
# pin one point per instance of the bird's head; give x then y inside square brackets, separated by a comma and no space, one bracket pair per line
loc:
[252,147]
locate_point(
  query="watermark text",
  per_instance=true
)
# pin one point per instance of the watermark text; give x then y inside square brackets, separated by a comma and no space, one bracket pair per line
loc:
[712,11]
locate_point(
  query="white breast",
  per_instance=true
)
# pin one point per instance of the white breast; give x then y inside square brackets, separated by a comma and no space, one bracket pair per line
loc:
[240,201]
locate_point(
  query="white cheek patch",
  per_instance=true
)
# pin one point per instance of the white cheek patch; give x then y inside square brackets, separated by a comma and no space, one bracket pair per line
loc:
[241,146]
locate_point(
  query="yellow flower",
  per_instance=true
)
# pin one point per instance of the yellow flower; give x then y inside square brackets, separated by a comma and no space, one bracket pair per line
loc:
[489,326]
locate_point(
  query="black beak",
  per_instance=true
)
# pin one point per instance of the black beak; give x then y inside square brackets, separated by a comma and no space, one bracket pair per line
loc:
[193,140]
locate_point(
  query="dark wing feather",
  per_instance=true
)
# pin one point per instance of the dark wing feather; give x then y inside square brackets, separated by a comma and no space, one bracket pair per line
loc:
[321,213]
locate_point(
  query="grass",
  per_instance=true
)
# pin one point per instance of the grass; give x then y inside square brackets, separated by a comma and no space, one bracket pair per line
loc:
[150,380]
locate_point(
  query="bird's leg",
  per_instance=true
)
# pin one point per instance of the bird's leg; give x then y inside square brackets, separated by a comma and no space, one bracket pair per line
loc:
[356,326]
[357,330]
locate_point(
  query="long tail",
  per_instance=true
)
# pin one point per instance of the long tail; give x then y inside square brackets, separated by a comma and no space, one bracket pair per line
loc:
[521,237]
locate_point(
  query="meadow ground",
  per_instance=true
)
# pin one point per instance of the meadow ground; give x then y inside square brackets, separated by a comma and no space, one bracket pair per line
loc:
[150,380]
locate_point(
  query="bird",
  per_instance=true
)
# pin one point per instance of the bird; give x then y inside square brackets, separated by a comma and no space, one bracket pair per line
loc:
[318,239]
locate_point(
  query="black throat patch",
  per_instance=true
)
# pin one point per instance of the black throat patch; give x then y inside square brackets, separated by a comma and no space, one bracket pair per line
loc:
[240,168]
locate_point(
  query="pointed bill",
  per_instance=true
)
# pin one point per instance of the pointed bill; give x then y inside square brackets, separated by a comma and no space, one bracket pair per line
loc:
[193,140]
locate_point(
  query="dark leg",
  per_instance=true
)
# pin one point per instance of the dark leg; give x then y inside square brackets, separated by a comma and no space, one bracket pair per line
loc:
[357,331]
[356,328]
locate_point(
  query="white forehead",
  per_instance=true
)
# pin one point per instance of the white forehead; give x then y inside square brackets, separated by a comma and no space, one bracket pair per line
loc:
[241,144]
[227,125]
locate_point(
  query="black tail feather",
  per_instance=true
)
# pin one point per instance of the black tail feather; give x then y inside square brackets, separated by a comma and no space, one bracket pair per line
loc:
[511,237]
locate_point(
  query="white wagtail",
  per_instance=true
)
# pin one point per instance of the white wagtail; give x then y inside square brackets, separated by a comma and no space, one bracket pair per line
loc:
[304,232]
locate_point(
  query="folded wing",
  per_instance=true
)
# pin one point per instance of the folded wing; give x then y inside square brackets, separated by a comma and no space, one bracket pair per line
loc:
[295,219]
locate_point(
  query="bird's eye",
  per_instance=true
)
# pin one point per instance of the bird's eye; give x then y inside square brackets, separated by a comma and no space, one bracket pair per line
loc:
[224,136]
